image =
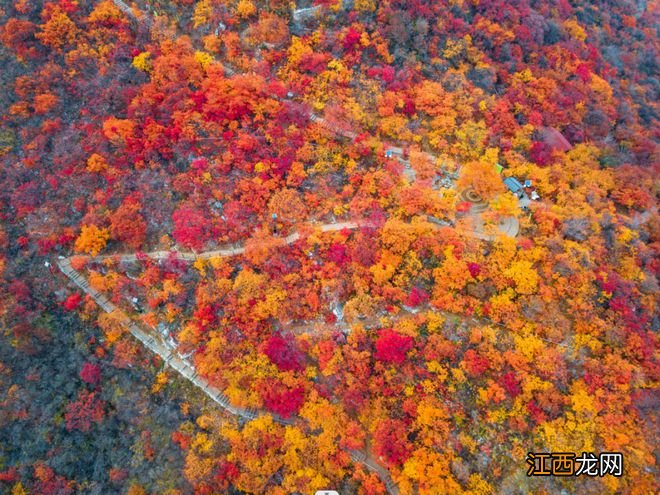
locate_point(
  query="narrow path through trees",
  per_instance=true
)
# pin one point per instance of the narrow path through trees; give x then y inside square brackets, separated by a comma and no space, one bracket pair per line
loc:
[169,354]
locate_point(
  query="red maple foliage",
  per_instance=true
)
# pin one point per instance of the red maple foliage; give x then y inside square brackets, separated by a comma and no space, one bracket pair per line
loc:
[191,227]
[511,384]
[225,474]
[283,352]
[9,476]
[72,302]
[90,373]
[474,269]
[84,411]
[281,399]
[392,347]
[475,364]
[337,253]
[50,483]
[417,296]
[391,441]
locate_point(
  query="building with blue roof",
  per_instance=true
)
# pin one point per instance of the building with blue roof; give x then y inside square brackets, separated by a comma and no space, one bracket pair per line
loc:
[514,186]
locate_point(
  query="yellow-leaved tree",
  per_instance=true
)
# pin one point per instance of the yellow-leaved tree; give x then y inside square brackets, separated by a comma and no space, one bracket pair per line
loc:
[524,276]
[245,9]
[92,239]
[482,177]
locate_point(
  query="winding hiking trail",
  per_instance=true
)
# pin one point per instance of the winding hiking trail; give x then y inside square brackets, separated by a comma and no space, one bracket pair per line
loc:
[169,354]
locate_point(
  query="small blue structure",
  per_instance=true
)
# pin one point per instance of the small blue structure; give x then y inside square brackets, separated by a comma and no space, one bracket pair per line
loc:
[514,186]
[528,183]
[388,154]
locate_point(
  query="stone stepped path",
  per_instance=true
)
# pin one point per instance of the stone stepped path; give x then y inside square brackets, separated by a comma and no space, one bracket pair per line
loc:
[301,14]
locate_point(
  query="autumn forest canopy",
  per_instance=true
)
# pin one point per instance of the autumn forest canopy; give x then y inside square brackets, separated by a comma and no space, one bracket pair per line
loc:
[407,243]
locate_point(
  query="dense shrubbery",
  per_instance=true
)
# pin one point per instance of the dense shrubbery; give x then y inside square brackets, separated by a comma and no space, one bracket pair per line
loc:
[446,357]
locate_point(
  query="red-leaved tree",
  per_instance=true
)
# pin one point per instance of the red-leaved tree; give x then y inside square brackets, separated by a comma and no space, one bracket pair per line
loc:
[90,373]
[283,352]
[84,411]
[191,227]
[392,347]
[281,399]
